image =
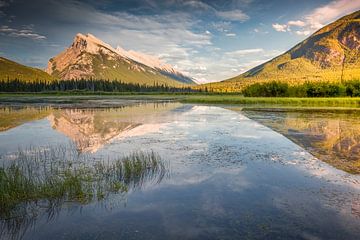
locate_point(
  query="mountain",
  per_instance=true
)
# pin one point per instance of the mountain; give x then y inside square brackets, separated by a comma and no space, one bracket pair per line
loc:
[12,70]
[89,57]
[155,63]
[321,57]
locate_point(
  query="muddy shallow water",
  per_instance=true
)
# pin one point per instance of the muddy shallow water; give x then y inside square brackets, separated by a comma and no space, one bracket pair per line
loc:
[229,177]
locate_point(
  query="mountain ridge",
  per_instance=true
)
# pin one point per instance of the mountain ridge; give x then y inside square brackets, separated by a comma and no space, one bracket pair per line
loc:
[89,57]
[155,63]
[330,54]
[12,70]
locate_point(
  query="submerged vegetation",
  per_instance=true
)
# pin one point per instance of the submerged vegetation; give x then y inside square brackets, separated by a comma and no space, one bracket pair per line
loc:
[37,180]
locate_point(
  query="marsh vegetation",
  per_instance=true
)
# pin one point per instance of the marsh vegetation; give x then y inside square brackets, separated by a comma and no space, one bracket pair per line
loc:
[37,181]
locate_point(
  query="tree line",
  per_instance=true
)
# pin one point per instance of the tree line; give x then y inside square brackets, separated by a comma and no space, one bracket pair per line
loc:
[18,85]
[307,89]
[268,89]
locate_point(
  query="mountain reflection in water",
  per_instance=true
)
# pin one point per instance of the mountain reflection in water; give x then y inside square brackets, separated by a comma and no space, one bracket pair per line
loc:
[331,136]
[91,129]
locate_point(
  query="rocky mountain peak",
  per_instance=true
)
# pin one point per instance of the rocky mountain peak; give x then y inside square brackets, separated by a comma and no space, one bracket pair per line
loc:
[90,43]
[90,57]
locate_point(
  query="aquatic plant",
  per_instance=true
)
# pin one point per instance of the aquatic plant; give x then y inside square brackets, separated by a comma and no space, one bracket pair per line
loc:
[38,179]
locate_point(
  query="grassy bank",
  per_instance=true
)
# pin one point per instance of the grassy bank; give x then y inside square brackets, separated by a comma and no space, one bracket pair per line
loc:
[196,98]
[308,102]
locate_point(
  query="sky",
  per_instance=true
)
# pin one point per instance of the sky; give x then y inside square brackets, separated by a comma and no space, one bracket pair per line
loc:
[208,40]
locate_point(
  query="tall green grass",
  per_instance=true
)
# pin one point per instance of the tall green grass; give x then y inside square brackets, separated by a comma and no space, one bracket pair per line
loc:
[278,102]
[38,180]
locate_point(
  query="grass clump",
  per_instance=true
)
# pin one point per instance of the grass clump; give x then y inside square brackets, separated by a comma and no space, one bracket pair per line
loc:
[55,176]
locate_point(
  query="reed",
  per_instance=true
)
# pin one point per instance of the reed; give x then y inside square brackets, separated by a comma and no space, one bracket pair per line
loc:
[57,175]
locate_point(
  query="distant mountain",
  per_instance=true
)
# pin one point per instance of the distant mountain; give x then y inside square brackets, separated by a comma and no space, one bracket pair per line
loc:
[331,53]
[12,70]
[155,63]
[89,57]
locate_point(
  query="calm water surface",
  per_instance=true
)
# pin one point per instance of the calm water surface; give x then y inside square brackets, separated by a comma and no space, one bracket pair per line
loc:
[230,177]
[331,135]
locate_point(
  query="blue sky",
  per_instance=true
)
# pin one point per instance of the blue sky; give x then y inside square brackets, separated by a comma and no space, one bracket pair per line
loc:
[208,40]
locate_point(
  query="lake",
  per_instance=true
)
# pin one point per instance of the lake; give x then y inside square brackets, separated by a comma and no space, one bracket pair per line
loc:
[226,172]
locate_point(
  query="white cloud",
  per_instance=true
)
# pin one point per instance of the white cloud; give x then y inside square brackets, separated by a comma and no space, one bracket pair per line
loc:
[222,26]
[319,17]
[280,27]
[22,33]
[243,52]
[260,31]
[233,15]
[304,33]
[202,68]
[231,64]
[197,5]
[328,13]
[297,23]
[144,29]
[231,34]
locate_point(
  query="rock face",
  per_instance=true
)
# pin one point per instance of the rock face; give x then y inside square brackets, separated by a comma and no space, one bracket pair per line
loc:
[89,57]
[329,53]
[328,47]
[72,63]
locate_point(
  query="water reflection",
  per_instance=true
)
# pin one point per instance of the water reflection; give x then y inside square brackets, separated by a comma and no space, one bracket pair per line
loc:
[332,136]
[38,183]
[231,178]
[91,129]
[11,117]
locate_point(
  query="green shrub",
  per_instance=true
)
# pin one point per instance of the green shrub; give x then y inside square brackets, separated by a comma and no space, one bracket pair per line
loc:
[308,89]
